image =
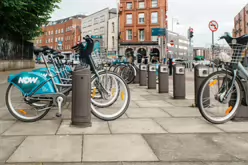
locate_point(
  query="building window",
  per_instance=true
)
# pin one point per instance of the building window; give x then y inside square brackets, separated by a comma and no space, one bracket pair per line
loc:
[102,29]
[113,27]
[102,18]
[141,35]
[155,17]
[56,39]
[62,30]
[154,38]
[49,33]
[129,35]
[129,6]
[51,39]
[141,18]
[113,41]
[96,21]
[56,32]
[154,3]
[90,32]
[52,32]
[62,39]
[89,23]
[59,31]
[129,18]
[96,31]
[40,41]
[141,5]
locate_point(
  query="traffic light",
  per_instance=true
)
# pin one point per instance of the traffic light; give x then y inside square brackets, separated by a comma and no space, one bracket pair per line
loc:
[191,33]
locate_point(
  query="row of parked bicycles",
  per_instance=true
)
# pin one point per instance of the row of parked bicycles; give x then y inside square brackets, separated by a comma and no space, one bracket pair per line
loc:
[31,95]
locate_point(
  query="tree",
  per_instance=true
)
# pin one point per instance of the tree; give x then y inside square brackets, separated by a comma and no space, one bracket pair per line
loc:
[24,18]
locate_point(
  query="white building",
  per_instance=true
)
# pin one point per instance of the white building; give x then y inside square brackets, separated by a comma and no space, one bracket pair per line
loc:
[97,24]
[113,35]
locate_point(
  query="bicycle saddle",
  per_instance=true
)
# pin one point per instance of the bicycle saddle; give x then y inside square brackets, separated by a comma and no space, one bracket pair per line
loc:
[243,40]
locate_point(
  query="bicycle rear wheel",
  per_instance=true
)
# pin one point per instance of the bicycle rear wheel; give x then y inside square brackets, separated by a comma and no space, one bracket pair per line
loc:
[210,100]
[26,110]
[128,74]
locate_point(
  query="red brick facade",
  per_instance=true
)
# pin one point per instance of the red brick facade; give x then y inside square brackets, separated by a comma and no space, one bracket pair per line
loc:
[241,23]
[66,31]
[145,8]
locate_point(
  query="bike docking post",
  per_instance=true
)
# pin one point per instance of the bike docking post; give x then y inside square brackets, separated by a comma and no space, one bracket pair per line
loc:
[242,113]
[143,75]
[81,98]
[201,72]
[163,79]
[179,90]
[137,77]
[152,83]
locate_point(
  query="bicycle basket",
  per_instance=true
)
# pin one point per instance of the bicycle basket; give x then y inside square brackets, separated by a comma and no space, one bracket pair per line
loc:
[238,52]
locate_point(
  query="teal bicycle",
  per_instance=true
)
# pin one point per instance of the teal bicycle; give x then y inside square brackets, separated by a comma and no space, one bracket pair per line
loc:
[31,95]
[222,92]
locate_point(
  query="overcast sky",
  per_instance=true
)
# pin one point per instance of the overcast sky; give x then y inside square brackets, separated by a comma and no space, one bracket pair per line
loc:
[194,13]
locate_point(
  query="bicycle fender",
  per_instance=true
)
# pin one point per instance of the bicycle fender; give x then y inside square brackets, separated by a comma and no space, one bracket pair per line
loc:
[43,72]
[244,87]
[28,82]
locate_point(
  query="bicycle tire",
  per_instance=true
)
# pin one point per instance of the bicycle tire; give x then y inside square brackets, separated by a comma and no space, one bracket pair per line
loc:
[200,94]
[17,117]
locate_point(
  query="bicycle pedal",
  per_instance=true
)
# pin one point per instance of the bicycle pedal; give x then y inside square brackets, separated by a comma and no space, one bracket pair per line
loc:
[58,115]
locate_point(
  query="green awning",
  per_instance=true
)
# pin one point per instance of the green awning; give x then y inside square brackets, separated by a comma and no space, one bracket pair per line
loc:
[199,57]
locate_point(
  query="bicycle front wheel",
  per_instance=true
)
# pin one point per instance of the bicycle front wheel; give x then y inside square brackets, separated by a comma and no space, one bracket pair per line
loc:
[117,101]
[213,103]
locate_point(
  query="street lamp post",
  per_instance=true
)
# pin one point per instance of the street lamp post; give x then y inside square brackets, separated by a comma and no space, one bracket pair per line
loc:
[173,23]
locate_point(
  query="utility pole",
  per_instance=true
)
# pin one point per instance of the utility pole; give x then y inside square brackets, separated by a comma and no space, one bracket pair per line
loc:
[118,27]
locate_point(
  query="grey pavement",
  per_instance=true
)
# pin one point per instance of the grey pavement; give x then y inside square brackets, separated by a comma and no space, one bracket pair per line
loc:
[156,130]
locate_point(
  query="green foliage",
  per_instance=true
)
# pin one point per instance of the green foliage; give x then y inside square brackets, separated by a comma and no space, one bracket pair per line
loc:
[24,18]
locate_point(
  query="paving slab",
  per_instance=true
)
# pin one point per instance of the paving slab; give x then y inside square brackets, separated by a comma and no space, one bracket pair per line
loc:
[154,97]
[131,105]
[5,115]
[186,125]
[146,113]
[66,114]
[42,127]
[181,103]
[97,128]
[49,149]
[116,148]
[87,163]
[137,97]
[4,125]
[135,126]
[234,144]
[234,126]
[182,111]
[153,104]
[227,163]
[187,147]
[163,163]
[8,145]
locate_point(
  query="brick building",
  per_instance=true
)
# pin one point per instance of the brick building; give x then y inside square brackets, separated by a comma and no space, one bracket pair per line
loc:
[241,23]
[137,18]
[61,34]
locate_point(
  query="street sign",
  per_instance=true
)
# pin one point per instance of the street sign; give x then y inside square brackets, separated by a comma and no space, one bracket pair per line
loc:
[96,37]
[60,43]
[213,26]
[158,32]
[172,43]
